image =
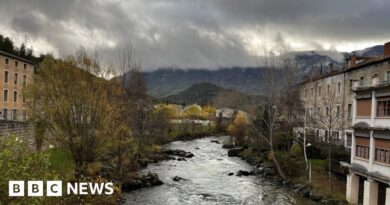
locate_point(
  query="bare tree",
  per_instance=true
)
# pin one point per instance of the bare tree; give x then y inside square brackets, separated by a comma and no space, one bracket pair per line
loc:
[270,109]
[328,116]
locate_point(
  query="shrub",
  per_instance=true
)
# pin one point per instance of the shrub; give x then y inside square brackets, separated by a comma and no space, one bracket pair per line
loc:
[296,150]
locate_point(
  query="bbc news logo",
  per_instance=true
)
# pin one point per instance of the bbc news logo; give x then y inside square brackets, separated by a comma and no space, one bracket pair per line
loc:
[55,188]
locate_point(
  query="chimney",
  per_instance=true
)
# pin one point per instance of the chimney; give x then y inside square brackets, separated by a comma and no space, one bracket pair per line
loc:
[386,49]
[353,59]
[330,67]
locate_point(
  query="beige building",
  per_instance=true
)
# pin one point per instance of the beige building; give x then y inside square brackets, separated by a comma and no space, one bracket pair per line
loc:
[15,74]
[328,97]
[370,150]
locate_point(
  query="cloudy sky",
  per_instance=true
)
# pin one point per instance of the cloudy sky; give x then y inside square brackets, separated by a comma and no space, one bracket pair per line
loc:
[196,33]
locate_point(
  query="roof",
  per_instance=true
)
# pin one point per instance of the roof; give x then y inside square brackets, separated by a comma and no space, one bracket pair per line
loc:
[368,62]
[16,57]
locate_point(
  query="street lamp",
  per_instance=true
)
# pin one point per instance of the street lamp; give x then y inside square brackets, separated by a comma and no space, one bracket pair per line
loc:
[309,145]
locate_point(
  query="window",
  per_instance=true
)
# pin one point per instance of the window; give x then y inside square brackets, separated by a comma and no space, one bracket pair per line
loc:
[6,61]
[319,90]
[388,75]
[338,110]
[312,92]
[335,135]
[5,114]
[350,85]
[24,80]
[349,111]
[326,135]
[382,151]
[25,66]
[5,76]
[24,115]
[14,114]
[327,89]
[327,111]
[15,78]
[362,147]
[305,92]
[383,108]
[338,88]
[16,64]
[15,96]
[382,155]
[349,139]
[361,82]
[363,107]
[24,98]
[5,95]
[362,151]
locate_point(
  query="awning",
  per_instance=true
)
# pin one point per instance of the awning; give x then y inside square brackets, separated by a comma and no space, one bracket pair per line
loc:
[362,133]
[381,134]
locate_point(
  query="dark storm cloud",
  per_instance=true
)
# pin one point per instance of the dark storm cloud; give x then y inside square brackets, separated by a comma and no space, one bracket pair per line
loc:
[195,33]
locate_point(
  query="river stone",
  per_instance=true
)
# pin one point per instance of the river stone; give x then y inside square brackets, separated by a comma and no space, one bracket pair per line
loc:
[258,171]
[181,159]
[215,141]
[177,178]
[177,152]
[234,152]
[243,173]
[150,179]
[315,197]
[188,155]
[231,174]
[304,192]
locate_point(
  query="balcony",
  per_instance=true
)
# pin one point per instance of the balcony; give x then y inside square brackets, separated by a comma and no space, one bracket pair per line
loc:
[369,83]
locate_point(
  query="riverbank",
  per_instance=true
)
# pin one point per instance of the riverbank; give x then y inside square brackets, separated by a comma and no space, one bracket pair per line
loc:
[317,190]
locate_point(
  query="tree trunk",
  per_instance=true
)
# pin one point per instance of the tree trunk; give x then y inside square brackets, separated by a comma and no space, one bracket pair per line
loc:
[277,164]
[330,161]
[120,162]
[304,143]
[274,158]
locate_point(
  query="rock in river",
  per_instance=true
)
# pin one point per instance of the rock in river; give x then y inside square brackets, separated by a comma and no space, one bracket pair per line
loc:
[147,180]
[243,173]
[177,152]
[177,178]
[234,152]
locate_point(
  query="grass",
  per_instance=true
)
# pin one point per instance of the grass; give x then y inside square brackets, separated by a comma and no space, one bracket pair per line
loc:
[61,161]
[320,181]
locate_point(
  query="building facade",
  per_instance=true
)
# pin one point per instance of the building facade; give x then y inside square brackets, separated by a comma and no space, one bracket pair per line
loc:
[328,97]
[370,150]
[15,74]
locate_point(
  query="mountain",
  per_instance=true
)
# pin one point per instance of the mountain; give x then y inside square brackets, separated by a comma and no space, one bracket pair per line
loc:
[372,51]
[203,94]
[249,80]
[164,82]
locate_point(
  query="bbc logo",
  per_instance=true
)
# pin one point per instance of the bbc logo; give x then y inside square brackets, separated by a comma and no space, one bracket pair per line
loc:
[34,188]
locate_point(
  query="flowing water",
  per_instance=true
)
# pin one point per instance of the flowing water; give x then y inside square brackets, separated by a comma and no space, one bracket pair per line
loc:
[206,180]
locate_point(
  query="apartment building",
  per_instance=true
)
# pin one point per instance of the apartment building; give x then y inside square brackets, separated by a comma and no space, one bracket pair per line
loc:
[15,74]
[370,151]
[331,92]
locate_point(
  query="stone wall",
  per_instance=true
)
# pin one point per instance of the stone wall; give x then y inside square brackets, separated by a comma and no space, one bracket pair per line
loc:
[24,131]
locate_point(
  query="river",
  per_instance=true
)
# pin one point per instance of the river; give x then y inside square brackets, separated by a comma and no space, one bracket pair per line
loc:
[207,180]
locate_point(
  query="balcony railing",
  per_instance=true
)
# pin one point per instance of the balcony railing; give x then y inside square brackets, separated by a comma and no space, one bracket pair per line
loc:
[367,83]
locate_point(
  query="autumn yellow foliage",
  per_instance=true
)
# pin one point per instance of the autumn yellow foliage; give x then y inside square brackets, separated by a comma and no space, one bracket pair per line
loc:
[239,127]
